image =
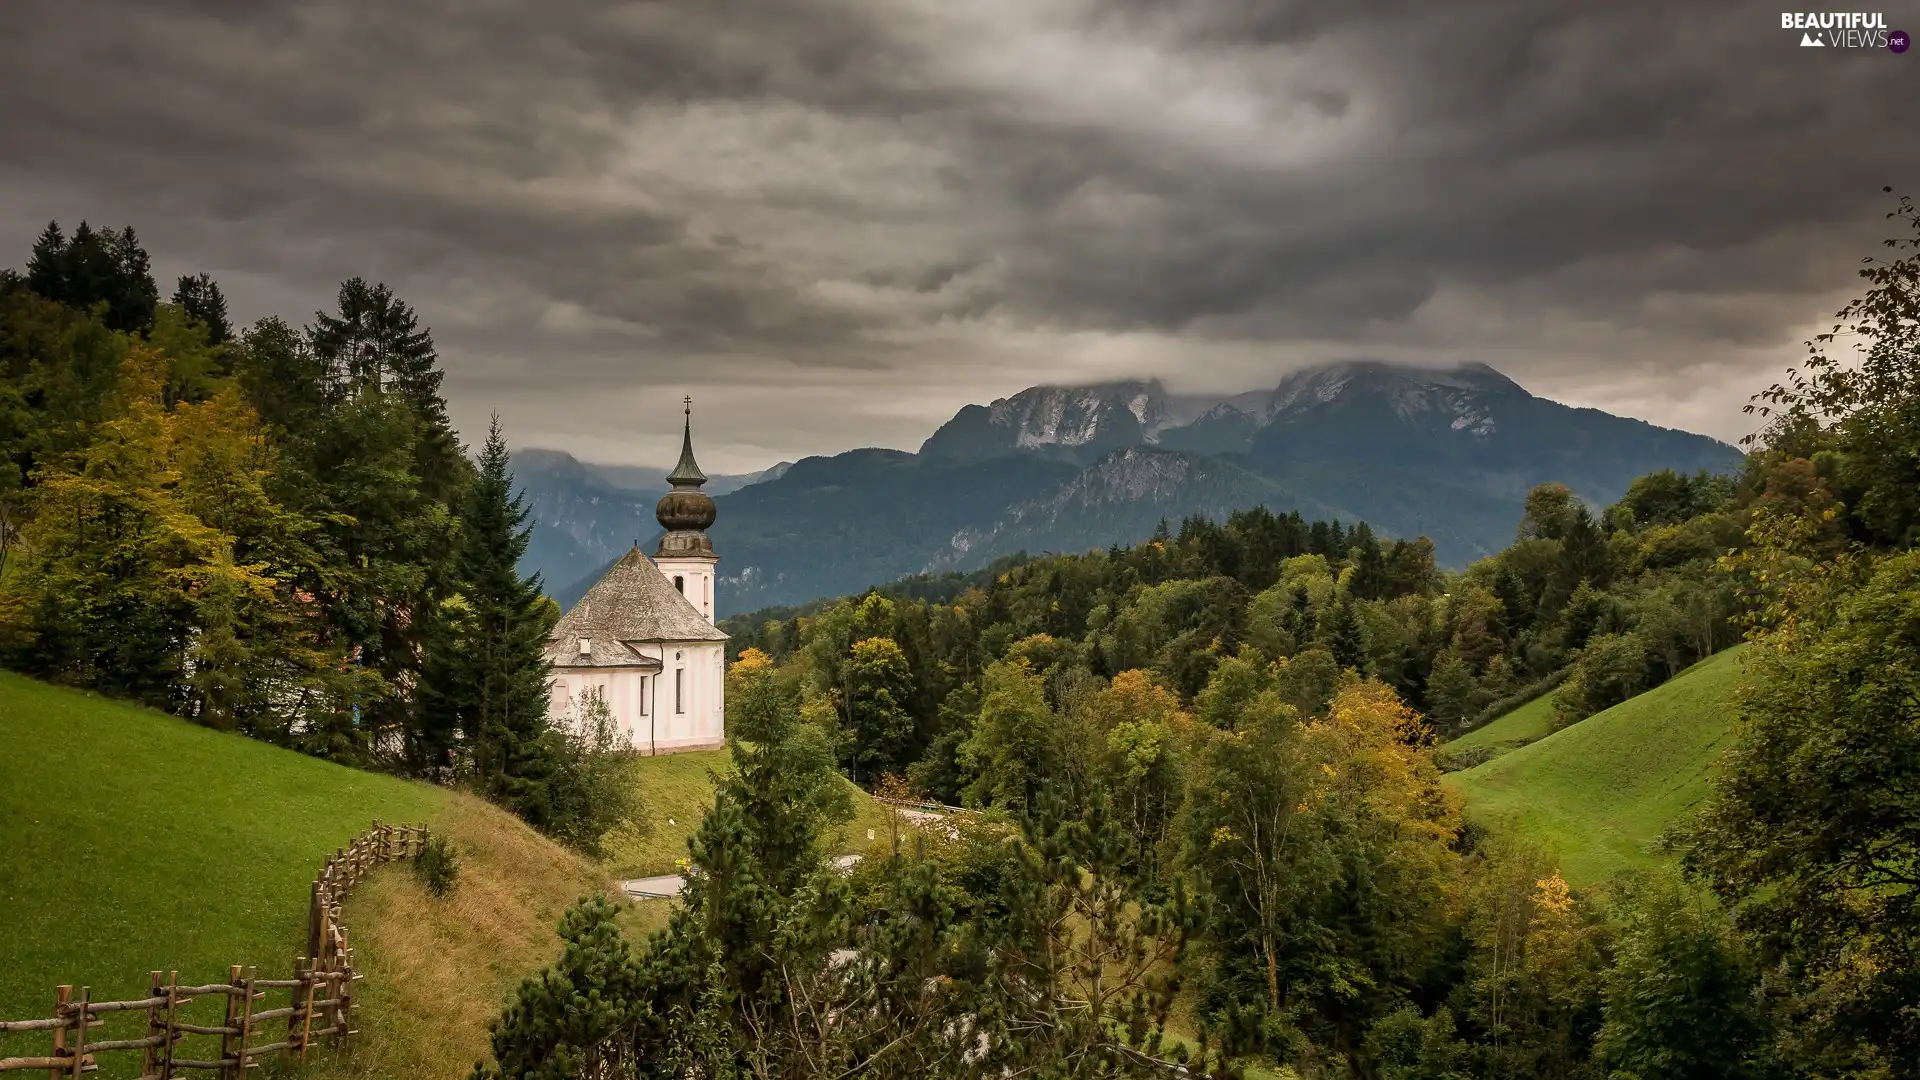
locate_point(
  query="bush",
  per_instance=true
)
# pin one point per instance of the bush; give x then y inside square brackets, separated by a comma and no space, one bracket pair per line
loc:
[1449,760]
[592,790]
[1611,669]
[437,866]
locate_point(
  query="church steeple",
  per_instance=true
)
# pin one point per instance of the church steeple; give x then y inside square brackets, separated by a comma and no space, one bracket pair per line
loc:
[687,474]
[685,512]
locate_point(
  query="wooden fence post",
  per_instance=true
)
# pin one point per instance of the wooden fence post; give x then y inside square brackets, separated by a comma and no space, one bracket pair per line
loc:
[306,1008]
[173,1007]
[246,1019]
[61,995]
[149,1059]
[346,996]
[228,1056]
[80,1031]
[313,920]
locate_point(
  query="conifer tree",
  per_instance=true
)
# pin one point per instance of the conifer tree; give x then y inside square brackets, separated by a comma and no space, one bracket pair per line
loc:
[386,456]
[96,266]
[203,302]
[47,268]
[485,679]
[1342,630]
[376,343]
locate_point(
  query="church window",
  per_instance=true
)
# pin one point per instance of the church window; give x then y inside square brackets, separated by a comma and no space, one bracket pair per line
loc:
[679,584]
[679,690]
[643,695]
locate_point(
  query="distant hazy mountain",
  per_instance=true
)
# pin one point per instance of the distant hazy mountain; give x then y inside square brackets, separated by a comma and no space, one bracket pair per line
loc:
[585,516]
[1447,454]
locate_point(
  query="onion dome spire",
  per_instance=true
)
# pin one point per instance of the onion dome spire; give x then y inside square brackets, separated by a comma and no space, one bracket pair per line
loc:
[685,512]
[687,473]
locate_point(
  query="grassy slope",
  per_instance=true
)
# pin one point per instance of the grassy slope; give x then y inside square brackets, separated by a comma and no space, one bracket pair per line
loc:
[131,841]
[439,969]
[677,790]
[1601,791]
[1528,723]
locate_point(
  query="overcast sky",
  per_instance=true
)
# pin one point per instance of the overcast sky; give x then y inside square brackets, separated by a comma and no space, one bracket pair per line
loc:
[835,221]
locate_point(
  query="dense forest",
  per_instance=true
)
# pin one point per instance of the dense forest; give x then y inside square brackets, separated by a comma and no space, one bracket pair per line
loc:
[1206,832]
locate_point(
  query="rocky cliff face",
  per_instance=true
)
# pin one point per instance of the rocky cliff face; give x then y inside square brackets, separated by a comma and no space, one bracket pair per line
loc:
[1082,422]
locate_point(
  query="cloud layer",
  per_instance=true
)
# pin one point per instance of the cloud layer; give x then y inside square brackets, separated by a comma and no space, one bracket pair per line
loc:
[835,221]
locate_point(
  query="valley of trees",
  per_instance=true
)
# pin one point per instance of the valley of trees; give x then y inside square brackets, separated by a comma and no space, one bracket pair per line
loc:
[1211,834]
[1208,831]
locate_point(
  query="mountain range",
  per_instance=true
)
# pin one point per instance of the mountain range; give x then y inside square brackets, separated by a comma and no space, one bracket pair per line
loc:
[1448,454]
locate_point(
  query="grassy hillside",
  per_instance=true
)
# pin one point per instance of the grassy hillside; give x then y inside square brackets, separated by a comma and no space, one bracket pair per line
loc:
[439,969]
[1601,791]
[678,791]
[131,841]
[1528,723]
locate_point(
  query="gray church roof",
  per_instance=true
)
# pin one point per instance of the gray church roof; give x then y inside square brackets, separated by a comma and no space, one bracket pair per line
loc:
[633,602]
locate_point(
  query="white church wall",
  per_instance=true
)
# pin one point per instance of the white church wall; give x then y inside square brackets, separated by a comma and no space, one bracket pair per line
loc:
[643,704]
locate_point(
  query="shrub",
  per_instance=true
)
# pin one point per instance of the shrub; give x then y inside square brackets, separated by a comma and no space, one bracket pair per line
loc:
[1611,669]
[437,867]
[592,790]
[1452,760]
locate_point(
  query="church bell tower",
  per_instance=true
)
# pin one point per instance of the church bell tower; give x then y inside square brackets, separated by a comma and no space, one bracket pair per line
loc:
[685,555]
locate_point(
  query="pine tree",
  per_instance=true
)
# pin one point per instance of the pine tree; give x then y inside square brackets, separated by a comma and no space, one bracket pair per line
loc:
[96,266]
[47,268]
[1369,565]
[376,344]
[200,296]
[1343,638]
[133,296]
[485,681]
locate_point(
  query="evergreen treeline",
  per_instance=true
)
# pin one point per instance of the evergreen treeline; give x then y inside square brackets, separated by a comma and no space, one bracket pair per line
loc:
[275,531]
[1212,835]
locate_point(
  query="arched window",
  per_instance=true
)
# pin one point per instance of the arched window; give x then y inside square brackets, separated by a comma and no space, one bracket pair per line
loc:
[679,584]
[679,690]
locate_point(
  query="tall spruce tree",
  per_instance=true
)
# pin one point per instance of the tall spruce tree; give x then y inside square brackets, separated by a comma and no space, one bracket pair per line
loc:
[376,343]
[199,295]
[399,549]
[485,679]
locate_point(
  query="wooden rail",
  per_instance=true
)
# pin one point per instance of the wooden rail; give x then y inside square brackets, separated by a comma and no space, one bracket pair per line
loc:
[319,996]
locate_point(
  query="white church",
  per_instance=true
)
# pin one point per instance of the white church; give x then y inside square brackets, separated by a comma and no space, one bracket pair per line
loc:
[644,635]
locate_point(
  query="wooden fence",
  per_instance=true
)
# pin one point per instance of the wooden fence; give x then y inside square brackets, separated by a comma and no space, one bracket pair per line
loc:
[319,996]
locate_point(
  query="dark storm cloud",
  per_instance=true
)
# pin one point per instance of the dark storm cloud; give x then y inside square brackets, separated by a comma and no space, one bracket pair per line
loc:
[837,220]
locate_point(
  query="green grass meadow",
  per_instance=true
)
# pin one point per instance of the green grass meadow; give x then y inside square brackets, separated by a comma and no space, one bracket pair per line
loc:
[1600,792]
[1528,723]
[131,841]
